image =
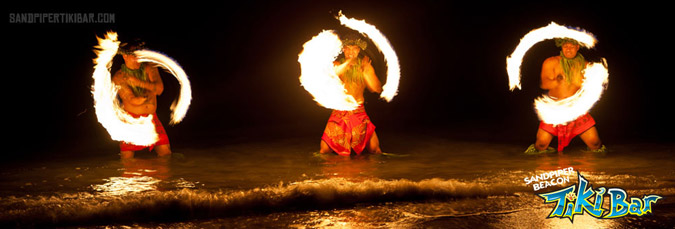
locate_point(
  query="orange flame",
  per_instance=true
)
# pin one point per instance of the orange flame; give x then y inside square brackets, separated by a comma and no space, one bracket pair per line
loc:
[120,125]
[318,75]
[390,88]
[562,111]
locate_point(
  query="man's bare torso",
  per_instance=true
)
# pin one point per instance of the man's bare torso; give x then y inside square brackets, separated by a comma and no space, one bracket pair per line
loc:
[355,89]
[554,79]
[148,106]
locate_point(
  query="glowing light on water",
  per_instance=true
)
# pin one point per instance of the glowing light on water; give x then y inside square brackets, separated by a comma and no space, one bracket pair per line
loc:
[116,186]
[549,109]
[120,125]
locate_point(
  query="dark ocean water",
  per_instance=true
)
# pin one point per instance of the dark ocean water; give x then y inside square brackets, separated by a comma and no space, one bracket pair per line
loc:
[431,182]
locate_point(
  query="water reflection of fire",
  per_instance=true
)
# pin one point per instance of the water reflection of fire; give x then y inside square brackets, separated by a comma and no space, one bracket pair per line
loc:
[353,168]
[583,163]
[155,167]
[138,175]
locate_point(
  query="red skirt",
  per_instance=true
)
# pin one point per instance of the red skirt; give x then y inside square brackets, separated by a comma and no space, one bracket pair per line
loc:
[347,130]
[567,132]
[163,138]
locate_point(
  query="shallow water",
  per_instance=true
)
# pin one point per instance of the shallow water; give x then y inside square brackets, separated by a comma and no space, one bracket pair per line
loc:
[431,182]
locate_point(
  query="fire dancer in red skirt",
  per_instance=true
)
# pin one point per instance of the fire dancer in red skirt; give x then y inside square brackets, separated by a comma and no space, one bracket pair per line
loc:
[140,84]
[562,77]
[353,130]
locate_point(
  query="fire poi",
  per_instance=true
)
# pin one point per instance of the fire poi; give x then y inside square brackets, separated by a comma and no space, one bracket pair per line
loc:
[121,125]
[317,71]
[339,84]
[595,76]
[574,86]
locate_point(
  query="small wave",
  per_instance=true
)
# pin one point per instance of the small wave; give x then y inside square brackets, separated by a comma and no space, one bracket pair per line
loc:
[180,205]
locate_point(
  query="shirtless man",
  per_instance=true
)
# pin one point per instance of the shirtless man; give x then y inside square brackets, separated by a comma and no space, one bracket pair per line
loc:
[352,130]
[139,85]
[562,77]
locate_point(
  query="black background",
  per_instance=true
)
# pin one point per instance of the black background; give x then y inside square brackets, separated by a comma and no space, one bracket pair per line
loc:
[241,58]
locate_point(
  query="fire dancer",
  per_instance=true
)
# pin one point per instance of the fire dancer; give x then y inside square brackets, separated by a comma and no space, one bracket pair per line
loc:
[562,77]
[353,130]
[139,85]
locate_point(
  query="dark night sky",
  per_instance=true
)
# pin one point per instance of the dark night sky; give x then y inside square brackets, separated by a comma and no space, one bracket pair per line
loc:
[242,63]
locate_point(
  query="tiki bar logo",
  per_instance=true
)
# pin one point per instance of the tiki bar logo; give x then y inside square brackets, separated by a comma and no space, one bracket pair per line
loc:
[548,179]
[580,198]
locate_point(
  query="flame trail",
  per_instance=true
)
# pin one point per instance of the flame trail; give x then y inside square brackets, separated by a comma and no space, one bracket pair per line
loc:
[317,70]
[551,31]
[390,88]
[565,110]
[318,75]
[180,106]
[120,125]
[595,80]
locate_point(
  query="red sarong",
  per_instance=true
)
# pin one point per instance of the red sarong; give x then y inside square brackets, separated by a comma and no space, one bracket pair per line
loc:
[163,138]
[347,130]
[566,132]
